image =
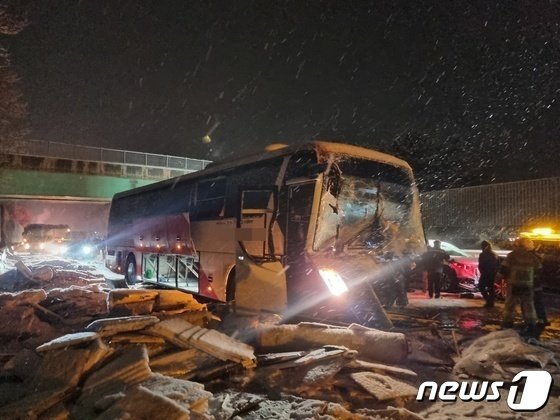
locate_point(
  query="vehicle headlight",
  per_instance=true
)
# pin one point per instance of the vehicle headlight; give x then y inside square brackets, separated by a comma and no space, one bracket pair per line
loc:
[62,249]
[27,246]
[41,245]
[86,249]
[334,282]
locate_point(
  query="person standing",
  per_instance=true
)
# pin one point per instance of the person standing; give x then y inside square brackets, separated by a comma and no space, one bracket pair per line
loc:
[538,291]
[488,265]
[519,268]
[434,260]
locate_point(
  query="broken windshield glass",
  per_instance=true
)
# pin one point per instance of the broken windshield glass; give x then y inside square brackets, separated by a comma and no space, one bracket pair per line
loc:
[365,204]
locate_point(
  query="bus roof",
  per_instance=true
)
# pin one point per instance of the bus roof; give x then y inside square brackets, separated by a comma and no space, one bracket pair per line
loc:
[323,148]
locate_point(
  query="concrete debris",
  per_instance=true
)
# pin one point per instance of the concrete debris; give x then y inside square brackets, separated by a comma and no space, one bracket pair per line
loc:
[23,365]
[132,338]
[380,346]
[272,358]
[250,406]
[24,270]
[186,335]
[501,355]
[43,274]
[175,300]
[19,318]
[112,326]
[63,367]
[140,403]
[186,393]
[383,387]
[382,369]
[123,302]
[68,340]
[77,303]
[129,368]
[131,301]
[183,363]
[311,375]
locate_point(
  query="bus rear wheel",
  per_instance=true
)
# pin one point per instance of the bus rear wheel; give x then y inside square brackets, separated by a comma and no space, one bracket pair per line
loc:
[130,273]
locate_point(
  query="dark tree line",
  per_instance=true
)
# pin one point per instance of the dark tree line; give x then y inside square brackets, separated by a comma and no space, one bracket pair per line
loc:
[13,109]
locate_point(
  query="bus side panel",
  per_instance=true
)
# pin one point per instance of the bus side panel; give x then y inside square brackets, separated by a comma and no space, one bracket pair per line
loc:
[214,240]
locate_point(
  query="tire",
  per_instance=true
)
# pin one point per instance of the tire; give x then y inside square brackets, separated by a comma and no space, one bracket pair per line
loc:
[449,281]
[130,270]
[231,286]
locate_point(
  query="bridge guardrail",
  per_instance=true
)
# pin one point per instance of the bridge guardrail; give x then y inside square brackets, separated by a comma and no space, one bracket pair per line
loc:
[101,154]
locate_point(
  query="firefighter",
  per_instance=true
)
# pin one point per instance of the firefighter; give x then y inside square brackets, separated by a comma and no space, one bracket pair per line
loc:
[519,268]
[488,264]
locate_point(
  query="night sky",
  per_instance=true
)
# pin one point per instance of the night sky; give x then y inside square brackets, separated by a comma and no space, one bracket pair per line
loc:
[467,88]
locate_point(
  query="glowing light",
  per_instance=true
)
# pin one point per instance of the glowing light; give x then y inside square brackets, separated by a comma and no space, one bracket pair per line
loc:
[543,234]
[543,231]
[86,249]
[27,246]
[333,281]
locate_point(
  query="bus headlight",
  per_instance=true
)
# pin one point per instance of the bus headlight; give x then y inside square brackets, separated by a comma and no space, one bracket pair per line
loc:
[333,281]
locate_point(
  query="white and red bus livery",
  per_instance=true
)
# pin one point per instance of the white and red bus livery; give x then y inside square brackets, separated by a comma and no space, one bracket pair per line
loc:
[281,230]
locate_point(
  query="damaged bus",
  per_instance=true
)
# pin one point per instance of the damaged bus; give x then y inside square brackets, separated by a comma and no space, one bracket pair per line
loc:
[291,230]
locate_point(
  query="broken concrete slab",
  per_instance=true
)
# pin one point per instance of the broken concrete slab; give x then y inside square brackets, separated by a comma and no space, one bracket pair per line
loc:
[68,340]
[383,387]
[185,393]
[170,300]
[63,367]
[381,346]
[315,356]
[131,301]
[129,368]
[124,296]
[124,370]
[77,303]
[23,365]
[32,406]
[43,274]
[186,335]
[111,326]
[10,300]
[24,269]
[311,375]
[273,358]
[136,338]
[500,355]
[141,403]
[180,363]
[382,369]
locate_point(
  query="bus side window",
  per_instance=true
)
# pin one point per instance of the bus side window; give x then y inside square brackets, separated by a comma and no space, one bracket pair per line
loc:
[210,199]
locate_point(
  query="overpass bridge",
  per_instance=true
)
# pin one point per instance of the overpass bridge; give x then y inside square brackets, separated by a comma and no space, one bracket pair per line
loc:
[59,183]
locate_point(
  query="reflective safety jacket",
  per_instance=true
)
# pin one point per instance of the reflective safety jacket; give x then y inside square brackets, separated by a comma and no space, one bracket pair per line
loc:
[521,267]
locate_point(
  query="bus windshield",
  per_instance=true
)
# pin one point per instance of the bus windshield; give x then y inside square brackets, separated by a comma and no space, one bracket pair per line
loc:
[366,204]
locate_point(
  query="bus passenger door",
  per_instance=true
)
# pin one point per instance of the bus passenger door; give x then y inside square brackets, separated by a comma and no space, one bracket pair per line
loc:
[260,275]
[300,203]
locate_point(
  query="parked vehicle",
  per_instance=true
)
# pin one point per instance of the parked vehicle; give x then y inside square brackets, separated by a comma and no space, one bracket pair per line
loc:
[461,273]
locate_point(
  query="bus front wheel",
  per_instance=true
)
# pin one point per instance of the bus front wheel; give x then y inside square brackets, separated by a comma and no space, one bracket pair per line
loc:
[130,273]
